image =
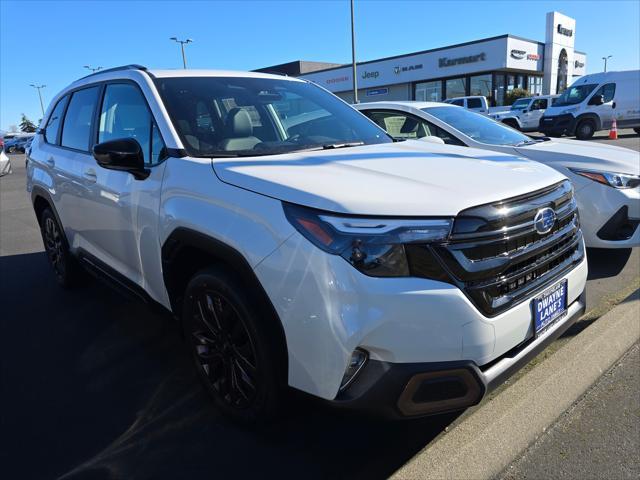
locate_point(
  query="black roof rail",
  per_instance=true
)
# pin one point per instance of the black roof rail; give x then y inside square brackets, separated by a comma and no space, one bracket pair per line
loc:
[133,66]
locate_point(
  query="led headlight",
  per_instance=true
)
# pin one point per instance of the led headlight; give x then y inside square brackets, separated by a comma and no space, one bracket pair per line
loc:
[375,246]
[615,180]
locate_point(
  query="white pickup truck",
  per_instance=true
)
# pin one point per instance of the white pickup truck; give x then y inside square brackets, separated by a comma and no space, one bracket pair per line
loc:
[525,113]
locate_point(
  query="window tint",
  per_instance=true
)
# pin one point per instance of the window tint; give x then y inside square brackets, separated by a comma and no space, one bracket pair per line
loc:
[125,114]
[474,103]
[540,104]
[55,120]
[403,125]
[459,103]
[77,122]
[260,116]
[607,91]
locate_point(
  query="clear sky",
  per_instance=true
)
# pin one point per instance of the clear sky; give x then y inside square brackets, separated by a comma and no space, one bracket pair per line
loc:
[48,42]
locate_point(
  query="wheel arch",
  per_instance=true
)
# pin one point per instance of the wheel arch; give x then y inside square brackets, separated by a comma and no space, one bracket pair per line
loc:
[41,199]
[187,251]
[512,121]
[588,116]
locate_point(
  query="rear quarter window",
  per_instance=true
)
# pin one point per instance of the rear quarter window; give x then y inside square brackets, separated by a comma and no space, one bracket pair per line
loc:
[55,120]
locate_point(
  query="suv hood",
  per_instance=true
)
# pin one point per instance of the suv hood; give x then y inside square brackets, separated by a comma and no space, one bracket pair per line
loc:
[409,178]
[586,155]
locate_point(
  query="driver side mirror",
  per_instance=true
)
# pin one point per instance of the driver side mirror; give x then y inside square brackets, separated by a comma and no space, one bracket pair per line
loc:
[597,100]
[123,154]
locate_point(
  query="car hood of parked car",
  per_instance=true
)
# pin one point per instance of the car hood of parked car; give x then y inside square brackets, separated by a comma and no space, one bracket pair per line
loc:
[586,155]
[409,178]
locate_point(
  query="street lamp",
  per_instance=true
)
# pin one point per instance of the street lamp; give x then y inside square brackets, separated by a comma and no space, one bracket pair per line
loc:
[93,69]
[39,87]
[182,44]
[605,61]
[353,58]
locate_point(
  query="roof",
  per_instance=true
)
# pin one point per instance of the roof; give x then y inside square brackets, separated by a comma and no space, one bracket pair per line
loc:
[407,103]
[214,73]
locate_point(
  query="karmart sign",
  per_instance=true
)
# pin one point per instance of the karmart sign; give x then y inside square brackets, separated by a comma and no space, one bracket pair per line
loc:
[444,62]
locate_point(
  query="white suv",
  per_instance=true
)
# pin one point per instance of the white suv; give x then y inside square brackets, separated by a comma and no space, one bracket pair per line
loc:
[299,245]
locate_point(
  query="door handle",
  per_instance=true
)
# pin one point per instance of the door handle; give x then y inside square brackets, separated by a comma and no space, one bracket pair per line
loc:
[90,175]
[50,162]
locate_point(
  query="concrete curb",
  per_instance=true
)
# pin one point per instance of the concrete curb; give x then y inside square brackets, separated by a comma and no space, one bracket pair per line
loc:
[492,436]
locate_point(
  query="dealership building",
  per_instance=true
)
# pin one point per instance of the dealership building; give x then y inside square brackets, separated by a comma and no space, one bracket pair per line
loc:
[490,67]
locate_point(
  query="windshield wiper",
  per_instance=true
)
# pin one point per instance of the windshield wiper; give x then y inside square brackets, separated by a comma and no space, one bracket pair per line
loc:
[331,146]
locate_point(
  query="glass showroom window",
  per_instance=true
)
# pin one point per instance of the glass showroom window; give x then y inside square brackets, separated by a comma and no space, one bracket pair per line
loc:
[480,85]
[456,87]
[535,85]
[429,91]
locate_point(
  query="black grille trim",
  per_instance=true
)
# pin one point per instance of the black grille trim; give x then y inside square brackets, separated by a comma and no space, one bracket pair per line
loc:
[498,259]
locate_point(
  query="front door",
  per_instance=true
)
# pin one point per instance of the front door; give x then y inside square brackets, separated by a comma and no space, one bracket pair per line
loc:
[536,109]
[607,110]
[123,211]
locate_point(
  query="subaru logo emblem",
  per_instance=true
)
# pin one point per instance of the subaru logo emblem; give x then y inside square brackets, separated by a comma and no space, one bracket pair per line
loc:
[544,220]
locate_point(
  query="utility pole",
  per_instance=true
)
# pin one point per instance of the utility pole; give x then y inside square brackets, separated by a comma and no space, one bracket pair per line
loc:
[353,58]
[93,69]
[182,44]
[39,87]
[605,61]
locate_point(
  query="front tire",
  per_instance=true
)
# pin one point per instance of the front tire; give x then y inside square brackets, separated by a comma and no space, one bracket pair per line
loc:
[585,130]
[64,265]
[512,124]
[234,352]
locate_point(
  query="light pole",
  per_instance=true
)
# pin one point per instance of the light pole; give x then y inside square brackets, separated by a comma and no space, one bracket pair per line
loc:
[182,44]
[93,69]
[353,58]
[39,87]
[605,61]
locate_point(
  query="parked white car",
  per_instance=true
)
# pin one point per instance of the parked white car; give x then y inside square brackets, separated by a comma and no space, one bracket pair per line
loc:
[5,162]
[525,113]
[475,103]
[606,178]
[592,102]
[405,278]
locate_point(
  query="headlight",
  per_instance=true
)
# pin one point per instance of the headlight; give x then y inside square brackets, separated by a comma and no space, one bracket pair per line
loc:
[615,180]
[570,110]
[375,246]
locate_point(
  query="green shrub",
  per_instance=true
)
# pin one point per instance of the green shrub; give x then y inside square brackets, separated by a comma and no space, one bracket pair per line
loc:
[515,94]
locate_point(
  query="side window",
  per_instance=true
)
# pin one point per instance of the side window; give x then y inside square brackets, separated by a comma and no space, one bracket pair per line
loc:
[474,103]
[444,135]
[607,91]
[76,129]
[125,114]
[540,104]
[55,120]
[399,124]
[459,102]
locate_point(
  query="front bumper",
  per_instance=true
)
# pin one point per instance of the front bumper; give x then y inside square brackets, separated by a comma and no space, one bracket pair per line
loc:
[559,124]
[400,390]
[609,217]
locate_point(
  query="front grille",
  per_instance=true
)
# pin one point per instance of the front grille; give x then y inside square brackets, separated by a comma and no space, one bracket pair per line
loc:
[497,257]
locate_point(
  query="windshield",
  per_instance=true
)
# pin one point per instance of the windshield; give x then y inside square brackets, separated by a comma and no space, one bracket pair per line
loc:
[478,127]
[574,95]
[240,116]
[520,104]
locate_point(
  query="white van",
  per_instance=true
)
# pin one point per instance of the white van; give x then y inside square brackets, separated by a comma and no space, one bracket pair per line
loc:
[592,102]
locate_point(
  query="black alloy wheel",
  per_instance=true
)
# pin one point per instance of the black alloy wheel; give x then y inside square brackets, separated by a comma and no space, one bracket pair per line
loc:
[232,346]
[60,259]
[223,349]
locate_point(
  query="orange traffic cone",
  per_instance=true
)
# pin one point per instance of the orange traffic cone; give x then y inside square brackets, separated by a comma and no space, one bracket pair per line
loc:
[613,133]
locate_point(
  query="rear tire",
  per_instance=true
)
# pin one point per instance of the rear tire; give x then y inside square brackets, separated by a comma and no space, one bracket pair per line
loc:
[234,351]
[585,129]
[637,130]
[65,266]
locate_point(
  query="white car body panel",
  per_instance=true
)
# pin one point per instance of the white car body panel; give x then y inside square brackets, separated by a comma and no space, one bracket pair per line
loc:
[597,203]
[401,174]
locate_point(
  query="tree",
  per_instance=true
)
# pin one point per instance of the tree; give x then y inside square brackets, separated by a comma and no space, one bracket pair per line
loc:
[27,125]
[515,94]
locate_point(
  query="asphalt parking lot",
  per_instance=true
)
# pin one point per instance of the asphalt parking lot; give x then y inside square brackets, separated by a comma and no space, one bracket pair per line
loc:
[97,386]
